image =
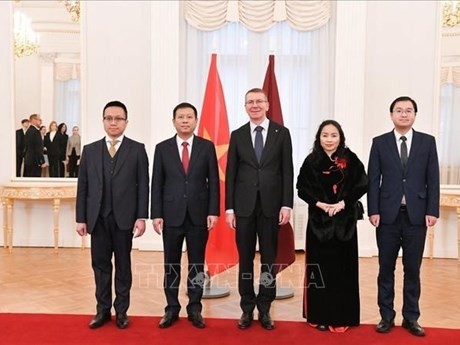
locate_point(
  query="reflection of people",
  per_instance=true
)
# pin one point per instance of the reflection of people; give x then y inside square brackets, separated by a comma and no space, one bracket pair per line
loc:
[259,198]
[112,204]
[403,199]
[20,145]
[52,149]
[45,172]
[33,152]
[73,152]
[62,143]
[185,205]
[331,181]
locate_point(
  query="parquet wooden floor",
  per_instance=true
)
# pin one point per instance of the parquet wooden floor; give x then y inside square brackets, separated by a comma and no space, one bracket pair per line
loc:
[37,280]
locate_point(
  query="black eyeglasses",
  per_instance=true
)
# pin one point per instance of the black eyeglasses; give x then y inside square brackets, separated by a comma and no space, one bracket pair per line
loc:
[116,119]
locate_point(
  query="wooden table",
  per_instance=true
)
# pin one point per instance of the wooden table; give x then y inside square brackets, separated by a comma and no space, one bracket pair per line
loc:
[56,193]
[449,198]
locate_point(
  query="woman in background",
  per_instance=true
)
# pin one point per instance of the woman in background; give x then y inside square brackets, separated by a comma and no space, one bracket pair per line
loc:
[62,142]
[45,152]
[52,149]
[331,181]
[73,152]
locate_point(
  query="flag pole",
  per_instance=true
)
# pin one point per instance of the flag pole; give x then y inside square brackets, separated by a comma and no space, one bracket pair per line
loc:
[286,248]
[210,291]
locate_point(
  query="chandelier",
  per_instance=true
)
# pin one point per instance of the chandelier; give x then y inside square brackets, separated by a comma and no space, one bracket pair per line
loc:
[73,7]
[450,13]
[25,39]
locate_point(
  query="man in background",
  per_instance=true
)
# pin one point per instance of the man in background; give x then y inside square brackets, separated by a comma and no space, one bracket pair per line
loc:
[34,160]
[20,145]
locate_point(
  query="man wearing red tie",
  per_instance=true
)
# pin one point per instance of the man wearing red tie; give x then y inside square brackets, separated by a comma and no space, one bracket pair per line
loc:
[184,206]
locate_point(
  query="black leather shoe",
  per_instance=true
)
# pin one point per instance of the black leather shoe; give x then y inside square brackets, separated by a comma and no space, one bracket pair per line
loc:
[245,320]
[122,320]
[322,328]
[413,327]
[168,319]
[266,321]
[100,319]
[385,326]
[196,319]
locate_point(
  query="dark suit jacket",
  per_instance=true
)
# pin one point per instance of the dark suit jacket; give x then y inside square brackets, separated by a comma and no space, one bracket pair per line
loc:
[52,147]
[130,184]
[273,177]
[20,143]
[174,193]
[388,182]
[33,152]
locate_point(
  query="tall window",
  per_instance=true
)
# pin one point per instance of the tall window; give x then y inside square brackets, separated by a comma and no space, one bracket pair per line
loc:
[67,102]
[303,70]
[449,134]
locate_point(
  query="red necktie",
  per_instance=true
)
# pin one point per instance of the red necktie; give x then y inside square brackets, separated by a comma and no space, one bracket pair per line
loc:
[185,156]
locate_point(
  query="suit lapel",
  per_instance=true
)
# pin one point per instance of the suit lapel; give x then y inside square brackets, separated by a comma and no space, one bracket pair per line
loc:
[393,149]
[272,137]
[173,152]
[414,147]
[246,141]
[100,147]
[197,147]
[122,154]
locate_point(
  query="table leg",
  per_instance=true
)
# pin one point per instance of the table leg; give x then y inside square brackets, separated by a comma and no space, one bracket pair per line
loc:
[458,233]
[56,205]
[9,223]
[5,235]
[430,241]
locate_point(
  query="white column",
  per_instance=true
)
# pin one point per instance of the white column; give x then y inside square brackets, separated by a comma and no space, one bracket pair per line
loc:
[165,86]
[350,70]
[47,87]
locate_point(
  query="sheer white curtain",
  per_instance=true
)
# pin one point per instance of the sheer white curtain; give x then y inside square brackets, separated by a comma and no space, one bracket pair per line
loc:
[67,102]
[303,67]
[449,134]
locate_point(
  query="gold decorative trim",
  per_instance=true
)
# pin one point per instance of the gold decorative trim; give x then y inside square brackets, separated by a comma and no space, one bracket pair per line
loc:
[68,192]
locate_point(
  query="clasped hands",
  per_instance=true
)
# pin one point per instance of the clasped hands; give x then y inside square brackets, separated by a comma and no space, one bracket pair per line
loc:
[331,209]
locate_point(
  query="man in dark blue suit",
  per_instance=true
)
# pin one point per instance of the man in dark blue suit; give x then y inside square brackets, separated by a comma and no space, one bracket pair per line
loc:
[184,205]
[112,206]
[403,200]
[258,199]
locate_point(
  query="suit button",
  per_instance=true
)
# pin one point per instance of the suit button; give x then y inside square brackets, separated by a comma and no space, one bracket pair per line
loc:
[404,180]
[185,196]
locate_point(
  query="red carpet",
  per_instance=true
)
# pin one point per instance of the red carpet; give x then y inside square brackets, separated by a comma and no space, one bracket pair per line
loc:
[37,329]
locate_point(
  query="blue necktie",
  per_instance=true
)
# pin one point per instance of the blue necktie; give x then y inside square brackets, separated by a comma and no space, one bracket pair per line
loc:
[259,143]
[403,152]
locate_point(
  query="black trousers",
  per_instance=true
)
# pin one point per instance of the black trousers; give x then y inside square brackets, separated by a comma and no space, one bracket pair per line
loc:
[390,238]
[19,160]
[195,238]
[248,230]
[32,170]
[54,165]
[73,167]
[107,240]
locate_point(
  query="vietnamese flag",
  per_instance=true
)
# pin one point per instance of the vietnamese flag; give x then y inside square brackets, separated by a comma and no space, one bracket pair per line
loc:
[221,252]
[285,254]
